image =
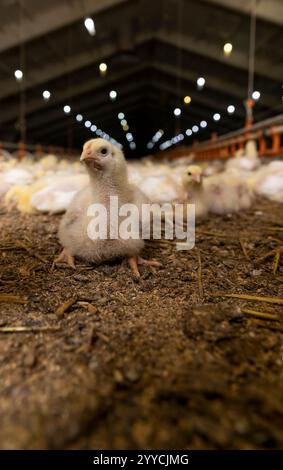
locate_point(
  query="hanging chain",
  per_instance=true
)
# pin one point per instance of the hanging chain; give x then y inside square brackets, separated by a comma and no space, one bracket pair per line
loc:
[252,48]
[179,61]
[22,104]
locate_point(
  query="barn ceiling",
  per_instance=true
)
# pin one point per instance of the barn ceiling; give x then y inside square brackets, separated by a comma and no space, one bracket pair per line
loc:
[154,51]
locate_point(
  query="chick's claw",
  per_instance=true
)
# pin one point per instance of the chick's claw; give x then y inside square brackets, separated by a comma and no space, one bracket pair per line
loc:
[65,257]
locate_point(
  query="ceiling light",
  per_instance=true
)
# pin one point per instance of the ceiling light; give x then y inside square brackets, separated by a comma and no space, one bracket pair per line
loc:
[195,128]
[67,109]
[99,132]
[227,48]
[90,26]
[188,132]
[216,117]
[177,111]
[46,94]
[87,124]
[200,82]
[132,145]
[129,136]
[231,108]
[18,74]
[203,124]
[103,68]
[123,122]
[256,95]
[79,117]
[125,127]
[93,128]
[113,95]
[187,99]
[165,145]
[121,116]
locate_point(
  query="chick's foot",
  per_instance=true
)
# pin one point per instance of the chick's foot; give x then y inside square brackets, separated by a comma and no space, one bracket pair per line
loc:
[65,257]
[135,261]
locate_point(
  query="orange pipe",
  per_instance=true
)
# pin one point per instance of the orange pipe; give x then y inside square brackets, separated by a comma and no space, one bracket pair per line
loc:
[21,150]
[262,147]
[38,151]
[276,142]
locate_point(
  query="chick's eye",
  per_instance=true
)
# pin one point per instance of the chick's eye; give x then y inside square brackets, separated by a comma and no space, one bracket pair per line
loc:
[104,151]
[189,173]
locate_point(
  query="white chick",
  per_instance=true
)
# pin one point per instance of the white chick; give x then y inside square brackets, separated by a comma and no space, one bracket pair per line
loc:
[161,188]
[271,187]
[108,177]
[14,176]
[227,193]
[57,192]
[247,160]
[268,181]
[48,162]
[18,176]
[20,197]
[5,155]
[210,169]
[194,190]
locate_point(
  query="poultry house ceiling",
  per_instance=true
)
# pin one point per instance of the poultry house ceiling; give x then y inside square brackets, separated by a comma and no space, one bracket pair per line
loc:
[155,51]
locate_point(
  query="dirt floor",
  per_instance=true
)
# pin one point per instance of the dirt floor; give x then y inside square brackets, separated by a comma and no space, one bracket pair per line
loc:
[165,362]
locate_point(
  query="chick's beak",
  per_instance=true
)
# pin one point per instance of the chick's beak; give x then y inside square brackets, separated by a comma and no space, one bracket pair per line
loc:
[197,178]
[90,158]
[86,155]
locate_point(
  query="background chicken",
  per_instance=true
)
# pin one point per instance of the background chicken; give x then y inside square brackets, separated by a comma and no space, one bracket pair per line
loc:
[194,190]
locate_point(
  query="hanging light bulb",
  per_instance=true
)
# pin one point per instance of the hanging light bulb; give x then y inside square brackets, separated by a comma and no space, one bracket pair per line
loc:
[177,112]
[227,49]
[46,95]
[90,26]
[200,82]
[113,95]
[129,136]
[216,117]
[103,68]
[256,95]
[231,109]
[187,99]
[18,75]
[67,109]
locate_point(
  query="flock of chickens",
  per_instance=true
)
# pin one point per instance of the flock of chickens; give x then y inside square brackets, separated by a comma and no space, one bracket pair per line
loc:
[49,184]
